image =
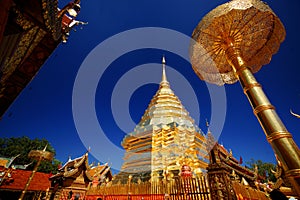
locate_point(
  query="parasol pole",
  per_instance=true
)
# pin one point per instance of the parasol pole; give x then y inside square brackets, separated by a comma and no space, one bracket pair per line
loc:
[277,135]
[234,41]
[38,155]
[30,179]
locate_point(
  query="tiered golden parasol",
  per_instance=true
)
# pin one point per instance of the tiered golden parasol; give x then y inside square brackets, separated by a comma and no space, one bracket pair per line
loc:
[39,156]
[231,43]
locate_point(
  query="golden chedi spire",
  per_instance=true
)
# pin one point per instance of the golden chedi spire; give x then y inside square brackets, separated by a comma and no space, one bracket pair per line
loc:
[165,107]
[164,76]
[165,138]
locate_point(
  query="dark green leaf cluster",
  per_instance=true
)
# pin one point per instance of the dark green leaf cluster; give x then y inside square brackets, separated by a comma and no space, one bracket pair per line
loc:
[264,169]
[10,147]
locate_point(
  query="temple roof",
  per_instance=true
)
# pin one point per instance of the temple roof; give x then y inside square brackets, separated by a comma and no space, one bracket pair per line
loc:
[73,167]
[100,171]
[19,178]
[8,163]
[30,30]
[164,108]
[231,163]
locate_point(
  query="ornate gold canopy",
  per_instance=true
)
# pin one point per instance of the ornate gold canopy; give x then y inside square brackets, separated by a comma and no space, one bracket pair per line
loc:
[40,154]
[231,43]
[250,26]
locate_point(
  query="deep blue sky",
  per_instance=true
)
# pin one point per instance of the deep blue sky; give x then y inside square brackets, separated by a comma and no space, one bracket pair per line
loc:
[44,108]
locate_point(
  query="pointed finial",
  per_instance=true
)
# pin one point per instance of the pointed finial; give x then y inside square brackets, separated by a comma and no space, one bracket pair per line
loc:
[27,165]
[294,114]
[233,173]
[207,123]
[244,182]
[88,151]
[164,76]
[163,60]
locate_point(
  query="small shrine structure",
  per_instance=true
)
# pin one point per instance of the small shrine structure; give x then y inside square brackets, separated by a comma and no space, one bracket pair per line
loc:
[75,177]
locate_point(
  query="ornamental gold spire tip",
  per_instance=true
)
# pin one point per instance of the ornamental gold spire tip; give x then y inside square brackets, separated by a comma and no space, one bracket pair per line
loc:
[163,60]
[164,76]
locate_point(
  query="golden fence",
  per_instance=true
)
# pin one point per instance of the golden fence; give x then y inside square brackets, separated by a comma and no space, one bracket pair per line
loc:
[175,189]
[179,189]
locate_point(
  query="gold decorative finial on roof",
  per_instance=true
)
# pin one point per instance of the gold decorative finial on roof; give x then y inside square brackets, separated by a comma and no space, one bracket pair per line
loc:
[164,76]
[163,60]
[294,114]
[207,123]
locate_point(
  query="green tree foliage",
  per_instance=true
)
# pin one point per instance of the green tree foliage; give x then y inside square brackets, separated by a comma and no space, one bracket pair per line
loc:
[10,147]
[264,169]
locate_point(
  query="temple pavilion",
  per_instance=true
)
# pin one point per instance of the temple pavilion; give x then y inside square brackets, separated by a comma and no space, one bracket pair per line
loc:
[165,140]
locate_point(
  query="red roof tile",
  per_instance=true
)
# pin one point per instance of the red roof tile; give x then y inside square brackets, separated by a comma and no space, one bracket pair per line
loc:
[40,181]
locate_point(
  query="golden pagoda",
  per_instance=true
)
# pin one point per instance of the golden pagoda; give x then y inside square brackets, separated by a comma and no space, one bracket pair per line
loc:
[165,139]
